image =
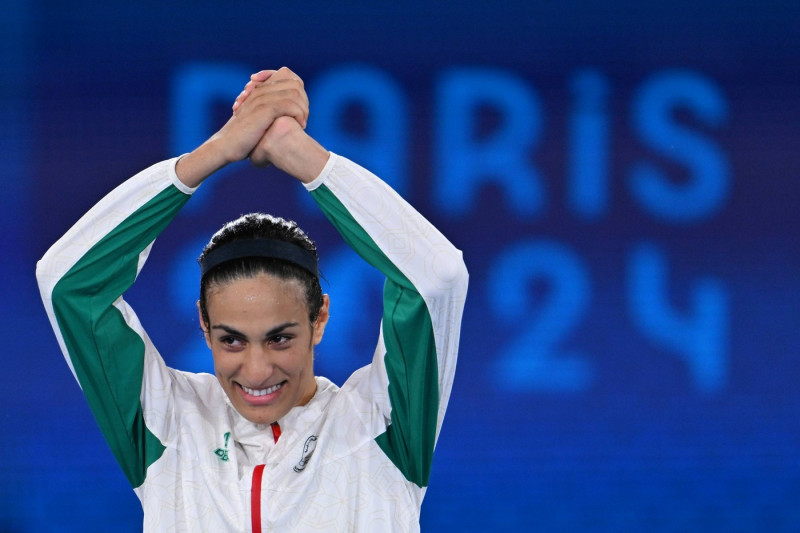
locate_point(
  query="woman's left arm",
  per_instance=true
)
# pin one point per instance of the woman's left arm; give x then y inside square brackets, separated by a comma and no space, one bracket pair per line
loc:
[423,301]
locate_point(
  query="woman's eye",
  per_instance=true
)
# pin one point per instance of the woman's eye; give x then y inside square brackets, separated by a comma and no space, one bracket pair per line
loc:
[280,339]
[230,341]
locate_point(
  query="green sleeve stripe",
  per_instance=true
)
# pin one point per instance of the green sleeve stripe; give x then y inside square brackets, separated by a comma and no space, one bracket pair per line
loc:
[411,359]
[107,355]
[413,383]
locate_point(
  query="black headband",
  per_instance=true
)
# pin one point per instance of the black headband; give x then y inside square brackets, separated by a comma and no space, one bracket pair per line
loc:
[269,248]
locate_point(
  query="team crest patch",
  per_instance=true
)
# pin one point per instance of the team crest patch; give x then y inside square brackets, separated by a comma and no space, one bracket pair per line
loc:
[308,451]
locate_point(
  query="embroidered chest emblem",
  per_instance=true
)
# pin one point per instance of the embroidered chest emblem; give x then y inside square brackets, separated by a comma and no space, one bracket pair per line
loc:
[222,453]
[308,451]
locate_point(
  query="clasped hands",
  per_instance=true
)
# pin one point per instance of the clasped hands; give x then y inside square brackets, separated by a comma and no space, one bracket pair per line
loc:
[268,112]
[267,126]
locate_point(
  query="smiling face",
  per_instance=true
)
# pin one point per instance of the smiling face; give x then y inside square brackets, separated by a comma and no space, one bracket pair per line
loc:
[263,344]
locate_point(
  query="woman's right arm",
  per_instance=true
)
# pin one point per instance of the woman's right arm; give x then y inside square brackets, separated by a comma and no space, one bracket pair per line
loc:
[82,278]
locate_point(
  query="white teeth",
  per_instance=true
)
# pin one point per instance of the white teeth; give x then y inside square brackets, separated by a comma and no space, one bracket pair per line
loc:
[262,392]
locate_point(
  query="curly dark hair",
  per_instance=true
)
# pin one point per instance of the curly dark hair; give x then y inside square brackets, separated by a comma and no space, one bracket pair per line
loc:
[261,226]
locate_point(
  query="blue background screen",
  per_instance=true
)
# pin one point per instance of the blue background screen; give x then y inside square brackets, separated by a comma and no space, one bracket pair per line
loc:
[621,176]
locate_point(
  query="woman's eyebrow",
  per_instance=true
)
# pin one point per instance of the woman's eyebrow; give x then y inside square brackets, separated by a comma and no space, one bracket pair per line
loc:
[281,327]
[274,331]
[228,329]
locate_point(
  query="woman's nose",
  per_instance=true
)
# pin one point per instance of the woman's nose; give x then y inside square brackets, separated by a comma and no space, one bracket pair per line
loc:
[257,366]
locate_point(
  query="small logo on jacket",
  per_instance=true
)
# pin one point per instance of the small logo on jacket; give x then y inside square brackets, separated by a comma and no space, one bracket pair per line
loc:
[223,453]
[308,451]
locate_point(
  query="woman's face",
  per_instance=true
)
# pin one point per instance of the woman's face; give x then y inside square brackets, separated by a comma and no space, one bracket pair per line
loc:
[263,344]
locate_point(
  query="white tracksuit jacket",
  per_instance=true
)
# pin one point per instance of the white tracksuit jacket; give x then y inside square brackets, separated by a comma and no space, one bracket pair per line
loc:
[355,458]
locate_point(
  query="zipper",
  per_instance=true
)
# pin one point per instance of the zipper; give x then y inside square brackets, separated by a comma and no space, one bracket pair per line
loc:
[255,488]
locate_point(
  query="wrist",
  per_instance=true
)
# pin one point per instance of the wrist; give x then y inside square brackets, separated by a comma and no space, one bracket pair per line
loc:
[193,168]
[296,153]
[307,159]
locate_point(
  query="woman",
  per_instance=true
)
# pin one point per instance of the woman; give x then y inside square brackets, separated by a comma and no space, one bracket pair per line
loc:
[265,445]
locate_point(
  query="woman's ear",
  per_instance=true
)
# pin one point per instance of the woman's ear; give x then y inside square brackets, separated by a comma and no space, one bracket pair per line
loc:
[322,320]
[203,325]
